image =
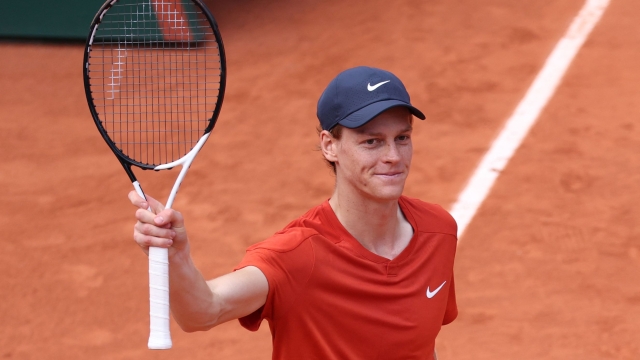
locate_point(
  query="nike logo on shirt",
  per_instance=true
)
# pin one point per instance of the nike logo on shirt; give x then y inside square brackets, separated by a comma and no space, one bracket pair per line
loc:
[371,88]
[433,293]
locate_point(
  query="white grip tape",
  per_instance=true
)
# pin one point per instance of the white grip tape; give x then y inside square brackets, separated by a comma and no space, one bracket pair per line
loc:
[159,333]
[159,336]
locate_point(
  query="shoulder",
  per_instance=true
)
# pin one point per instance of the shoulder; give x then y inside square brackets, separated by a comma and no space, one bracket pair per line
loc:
[287,257]
[429,217]
[285,240]
[292,236]
[287,260]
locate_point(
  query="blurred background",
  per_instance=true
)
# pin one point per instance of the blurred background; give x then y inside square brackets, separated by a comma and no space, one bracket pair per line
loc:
[548,269]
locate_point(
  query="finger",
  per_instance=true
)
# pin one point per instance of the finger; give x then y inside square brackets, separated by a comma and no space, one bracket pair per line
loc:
[152,230]
[169,217]
[145,241]
[147,203]
[145,216]
[156,206]
[137,200]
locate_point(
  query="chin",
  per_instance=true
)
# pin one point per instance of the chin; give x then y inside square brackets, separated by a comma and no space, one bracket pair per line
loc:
[388,189]
[388,193]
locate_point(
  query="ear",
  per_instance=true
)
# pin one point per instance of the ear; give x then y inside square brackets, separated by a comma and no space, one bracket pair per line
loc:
[328,145]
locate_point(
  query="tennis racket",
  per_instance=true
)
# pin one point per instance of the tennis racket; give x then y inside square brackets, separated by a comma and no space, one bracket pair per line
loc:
[154,76]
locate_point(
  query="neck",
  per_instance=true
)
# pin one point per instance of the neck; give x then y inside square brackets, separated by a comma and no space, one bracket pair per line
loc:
[378,225]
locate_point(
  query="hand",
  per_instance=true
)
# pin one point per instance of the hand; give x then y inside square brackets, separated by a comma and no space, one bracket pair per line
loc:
[158,226]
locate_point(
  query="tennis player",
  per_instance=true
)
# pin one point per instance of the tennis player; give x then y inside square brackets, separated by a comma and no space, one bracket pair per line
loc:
[367,274]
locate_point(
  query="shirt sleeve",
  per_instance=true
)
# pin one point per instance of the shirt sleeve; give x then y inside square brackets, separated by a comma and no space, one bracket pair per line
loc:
[287,269]
[451,311]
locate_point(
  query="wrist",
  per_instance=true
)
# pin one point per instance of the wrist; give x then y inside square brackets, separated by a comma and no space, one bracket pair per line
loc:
[179,256]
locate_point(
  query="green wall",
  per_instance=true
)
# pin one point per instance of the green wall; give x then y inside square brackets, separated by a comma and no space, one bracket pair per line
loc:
[47,19]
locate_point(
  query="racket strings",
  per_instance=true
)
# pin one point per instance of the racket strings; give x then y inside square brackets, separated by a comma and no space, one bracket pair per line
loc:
[154,72]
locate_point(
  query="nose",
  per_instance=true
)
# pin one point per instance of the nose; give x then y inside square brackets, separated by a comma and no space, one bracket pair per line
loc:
[392,154]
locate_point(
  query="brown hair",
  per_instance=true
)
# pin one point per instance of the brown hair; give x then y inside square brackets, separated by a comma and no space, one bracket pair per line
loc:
[336,132]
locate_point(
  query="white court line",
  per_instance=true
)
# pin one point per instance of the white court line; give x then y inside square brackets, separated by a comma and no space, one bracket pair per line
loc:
[525,115]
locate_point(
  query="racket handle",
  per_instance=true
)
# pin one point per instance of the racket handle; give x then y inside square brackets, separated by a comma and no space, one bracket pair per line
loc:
[160,335]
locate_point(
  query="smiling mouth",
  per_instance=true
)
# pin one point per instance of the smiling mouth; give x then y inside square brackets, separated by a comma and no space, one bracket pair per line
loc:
[395,174]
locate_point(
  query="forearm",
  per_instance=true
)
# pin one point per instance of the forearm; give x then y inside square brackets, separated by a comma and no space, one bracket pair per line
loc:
[196,304]
[192,301]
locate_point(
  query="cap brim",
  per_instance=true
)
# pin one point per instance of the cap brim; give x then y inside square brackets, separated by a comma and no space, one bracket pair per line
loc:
[367,113]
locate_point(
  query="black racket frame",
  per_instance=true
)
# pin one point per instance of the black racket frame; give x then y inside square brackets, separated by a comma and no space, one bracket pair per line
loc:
[125,160]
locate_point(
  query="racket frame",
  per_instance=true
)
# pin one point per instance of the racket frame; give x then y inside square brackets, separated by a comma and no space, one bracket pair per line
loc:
[160,336]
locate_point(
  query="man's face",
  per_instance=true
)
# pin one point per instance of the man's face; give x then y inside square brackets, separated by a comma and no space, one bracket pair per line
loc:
[375,158]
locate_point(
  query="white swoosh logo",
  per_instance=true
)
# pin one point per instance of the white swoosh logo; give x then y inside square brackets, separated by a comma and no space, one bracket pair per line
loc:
[371,88]
[433,293]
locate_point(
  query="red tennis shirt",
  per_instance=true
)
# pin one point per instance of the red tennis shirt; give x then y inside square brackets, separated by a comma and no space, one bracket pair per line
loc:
[330,298]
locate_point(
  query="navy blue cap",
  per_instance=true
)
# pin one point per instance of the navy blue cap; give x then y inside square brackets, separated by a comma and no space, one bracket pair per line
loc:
[357,95]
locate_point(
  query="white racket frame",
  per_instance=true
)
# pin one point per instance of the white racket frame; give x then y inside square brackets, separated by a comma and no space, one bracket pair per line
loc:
[159,305]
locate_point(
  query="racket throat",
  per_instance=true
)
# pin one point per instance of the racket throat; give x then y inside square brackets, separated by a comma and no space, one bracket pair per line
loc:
[185,162]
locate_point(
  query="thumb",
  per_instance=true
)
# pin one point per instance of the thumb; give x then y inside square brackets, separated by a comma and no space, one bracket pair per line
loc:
[169,218]
[172,219]
[148,204]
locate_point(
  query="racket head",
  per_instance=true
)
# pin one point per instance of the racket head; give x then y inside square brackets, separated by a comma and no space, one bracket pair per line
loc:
[155,74]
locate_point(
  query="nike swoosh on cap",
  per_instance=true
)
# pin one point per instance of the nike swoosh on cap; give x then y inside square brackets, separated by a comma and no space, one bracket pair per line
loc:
[433,293]
[371,88]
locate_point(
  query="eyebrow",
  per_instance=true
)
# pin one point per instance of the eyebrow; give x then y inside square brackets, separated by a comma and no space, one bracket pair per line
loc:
[365,132]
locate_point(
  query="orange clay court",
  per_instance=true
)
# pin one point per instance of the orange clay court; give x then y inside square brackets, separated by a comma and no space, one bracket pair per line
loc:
[547,269]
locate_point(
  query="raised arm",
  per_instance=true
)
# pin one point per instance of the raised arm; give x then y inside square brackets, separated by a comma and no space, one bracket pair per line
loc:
[196,304]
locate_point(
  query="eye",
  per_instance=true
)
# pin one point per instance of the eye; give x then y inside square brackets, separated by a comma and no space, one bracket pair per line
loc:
[371,141]
[403,137]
